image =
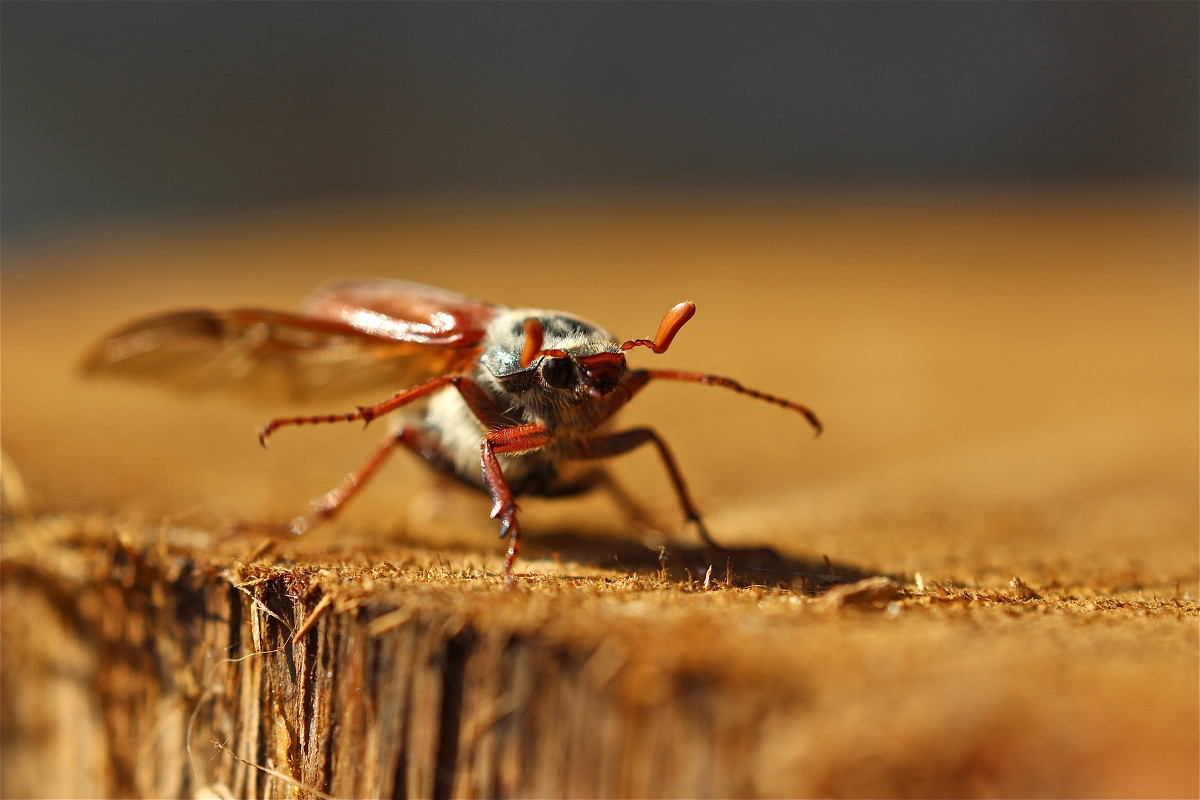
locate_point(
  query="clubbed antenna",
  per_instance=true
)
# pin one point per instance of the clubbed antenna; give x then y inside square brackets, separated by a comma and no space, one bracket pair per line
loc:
[672,321]
[534,335]
[532,348]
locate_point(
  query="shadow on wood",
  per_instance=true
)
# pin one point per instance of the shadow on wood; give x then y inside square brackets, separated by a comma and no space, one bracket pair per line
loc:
[731,567]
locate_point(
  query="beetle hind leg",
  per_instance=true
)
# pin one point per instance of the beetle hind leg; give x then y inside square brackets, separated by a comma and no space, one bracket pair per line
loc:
[613,444]
[329,504]
[635,512]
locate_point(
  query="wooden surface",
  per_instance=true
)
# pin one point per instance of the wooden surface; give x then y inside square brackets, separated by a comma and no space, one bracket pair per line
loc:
[1009,387]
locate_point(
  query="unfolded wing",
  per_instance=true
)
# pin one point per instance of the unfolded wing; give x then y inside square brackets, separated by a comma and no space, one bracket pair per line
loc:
[402,311]
[274,356]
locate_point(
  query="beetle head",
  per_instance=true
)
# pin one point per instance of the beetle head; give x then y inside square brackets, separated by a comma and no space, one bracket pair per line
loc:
[564,358]
[567,358]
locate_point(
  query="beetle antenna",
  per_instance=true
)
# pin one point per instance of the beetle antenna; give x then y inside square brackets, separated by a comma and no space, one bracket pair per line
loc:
[672,321]
[534,335]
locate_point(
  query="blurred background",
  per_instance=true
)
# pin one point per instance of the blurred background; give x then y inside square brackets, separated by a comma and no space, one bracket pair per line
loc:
[120,109]
[965,233]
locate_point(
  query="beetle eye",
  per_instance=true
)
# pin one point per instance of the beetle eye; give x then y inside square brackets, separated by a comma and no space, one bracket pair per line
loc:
[558,372]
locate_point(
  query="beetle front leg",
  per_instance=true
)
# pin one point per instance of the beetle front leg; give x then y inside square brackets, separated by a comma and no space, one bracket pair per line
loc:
[729,383]
[365,413]
[517,439]
[482,406]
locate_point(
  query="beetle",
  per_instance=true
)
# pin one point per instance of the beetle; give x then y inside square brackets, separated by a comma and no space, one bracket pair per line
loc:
[517,401]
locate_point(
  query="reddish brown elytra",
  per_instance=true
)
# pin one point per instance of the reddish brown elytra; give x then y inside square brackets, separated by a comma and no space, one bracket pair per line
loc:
[518,401]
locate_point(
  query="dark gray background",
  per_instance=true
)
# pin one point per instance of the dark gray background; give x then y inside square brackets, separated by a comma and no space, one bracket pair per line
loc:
[118,108]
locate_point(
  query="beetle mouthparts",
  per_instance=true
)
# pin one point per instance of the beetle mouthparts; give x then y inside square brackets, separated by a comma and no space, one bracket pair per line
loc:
[602,372]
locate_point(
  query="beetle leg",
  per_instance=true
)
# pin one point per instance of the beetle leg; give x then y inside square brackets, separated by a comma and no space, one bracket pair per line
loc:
[517,439]
[633,509]
[330,503]
[614,444]
[729,383]
[480,404]
[365,413]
